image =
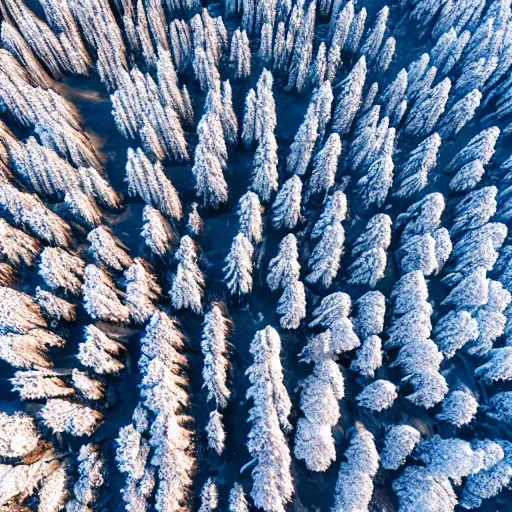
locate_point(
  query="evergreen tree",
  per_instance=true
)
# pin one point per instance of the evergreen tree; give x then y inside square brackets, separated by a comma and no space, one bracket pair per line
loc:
[350,98]
[334,210]
[238,268]
[187,286]
[373,42]
[250,217]
[325,166]
[292,305]
[286,207]
[284,269]
[324,261]
[399,443]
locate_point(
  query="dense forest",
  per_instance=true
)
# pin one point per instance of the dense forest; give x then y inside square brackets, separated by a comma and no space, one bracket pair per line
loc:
[254,255]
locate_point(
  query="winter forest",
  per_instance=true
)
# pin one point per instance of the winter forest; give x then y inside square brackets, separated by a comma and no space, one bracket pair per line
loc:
[254,255]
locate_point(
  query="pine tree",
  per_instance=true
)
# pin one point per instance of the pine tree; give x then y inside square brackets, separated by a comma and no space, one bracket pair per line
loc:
[264,180]
[215,432]
[286,207]
[356,31]
[157,233]
[325,166]
[237,501]
[303,144]
[216,328]
[240,55]
[460,114]
[373,42]
[292,305]
[61,270]
[99,352]
[324,261]
[150,183]
[413,175]
[269,414]
[238,268]
[284,269]
[250,217]
[427,110]
[459,408]
[188,284]
[209,496]
[374,187]
[108,250]
[334,210]
[350,98]
[101,297]
[399,443]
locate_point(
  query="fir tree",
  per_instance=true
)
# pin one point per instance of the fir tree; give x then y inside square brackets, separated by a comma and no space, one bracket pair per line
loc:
[286,207]
[238,268]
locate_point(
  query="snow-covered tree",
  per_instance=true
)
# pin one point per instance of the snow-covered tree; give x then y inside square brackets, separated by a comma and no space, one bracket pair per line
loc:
[373,42]
[413,175]
[18,435]
[100,352]
[334,210]
[65,416]
[460,114]
[238,268]
[375,185]
[215,432]
[106,249]
[157,232]
[427,110]
[61,270]
[286,207]
[272,481]
[292,305]
[250,217]
[216,328]
[350,98]
[17,247]
[303,144]
[142,290]
[148,181]
[284,269]
[237,501]
[324,261]
[458,408]
[101,297]
[399,442]
[240,55]
[209,496]
[325,166]
[187,286]
[377,396]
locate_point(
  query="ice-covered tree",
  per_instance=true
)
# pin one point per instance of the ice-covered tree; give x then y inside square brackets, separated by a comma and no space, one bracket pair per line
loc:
[238,268]
[18,435]
[17,247]
[453,331]
[264,179]
[188,283]
[498,367]
[286,207]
